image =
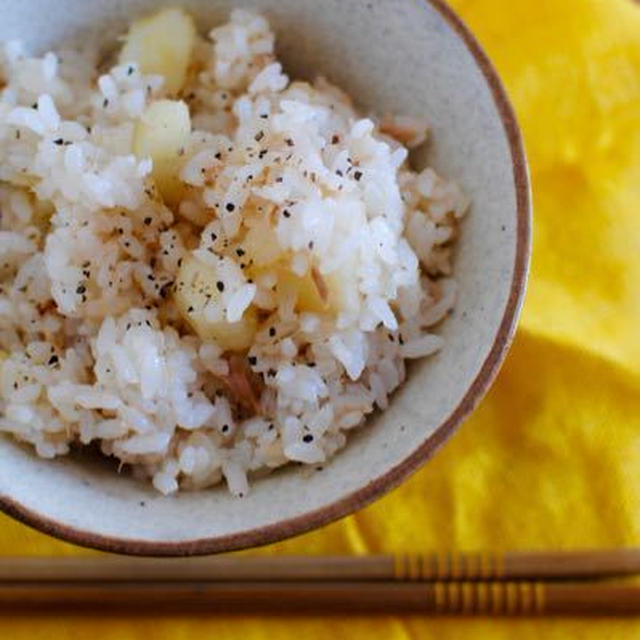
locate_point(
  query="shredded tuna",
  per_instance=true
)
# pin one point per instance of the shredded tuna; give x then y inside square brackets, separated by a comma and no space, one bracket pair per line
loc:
[321,285]
[244,386]
[410,132]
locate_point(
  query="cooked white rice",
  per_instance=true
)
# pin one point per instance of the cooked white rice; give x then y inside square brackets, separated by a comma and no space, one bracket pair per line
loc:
[95,348]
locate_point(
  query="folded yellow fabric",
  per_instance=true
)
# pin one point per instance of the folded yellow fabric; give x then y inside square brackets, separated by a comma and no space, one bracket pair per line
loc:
[552,457]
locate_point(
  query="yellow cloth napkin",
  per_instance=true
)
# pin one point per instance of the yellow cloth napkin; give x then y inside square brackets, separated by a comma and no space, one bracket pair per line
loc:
[552,457]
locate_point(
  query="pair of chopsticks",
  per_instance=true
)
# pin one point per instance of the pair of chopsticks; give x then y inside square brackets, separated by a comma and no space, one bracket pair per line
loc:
[524,583]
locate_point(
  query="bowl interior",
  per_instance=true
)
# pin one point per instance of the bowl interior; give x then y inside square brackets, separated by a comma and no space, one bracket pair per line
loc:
[402,57]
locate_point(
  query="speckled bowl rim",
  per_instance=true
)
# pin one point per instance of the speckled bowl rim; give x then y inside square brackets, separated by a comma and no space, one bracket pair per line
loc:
[392,478]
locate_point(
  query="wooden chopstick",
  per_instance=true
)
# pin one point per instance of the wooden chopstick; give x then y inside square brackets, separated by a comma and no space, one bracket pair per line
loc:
[538,565]
[439,598]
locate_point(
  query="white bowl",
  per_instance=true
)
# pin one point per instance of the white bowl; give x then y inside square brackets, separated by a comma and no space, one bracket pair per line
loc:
[408,56]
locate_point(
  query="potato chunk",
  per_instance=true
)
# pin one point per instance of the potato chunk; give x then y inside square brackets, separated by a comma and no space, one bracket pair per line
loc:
[198,300]
[161,134]
[308,296]
[262,246]
[162,44]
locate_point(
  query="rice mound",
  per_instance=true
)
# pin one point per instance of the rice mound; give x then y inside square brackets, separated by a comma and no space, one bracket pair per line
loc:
[333,253]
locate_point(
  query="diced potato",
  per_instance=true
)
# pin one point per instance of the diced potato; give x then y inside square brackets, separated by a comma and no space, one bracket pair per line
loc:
[262,247]
[261,244]
[309,297]
[315,293]
[162,133]
[196,290]
[325,294]
[162,44]
[42,212]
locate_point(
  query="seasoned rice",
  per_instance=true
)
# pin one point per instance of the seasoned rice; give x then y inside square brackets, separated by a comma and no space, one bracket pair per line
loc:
[331,258]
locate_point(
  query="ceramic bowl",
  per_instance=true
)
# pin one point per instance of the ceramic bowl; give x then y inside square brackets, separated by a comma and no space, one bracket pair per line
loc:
[408,56]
